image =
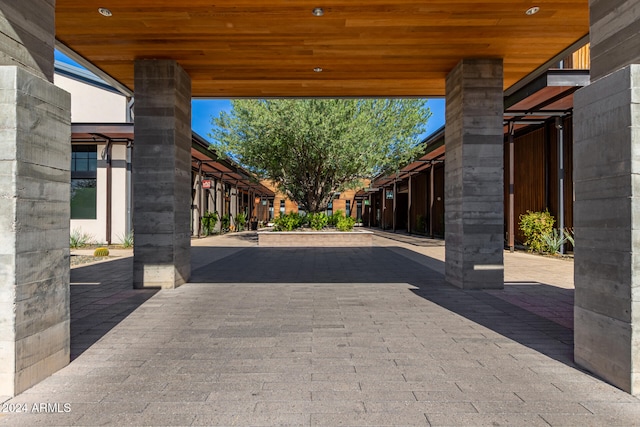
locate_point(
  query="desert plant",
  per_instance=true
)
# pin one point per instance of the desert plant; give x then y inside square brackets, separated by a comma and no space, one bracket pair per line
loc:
[553,241]
[102,251]
[78,239]
[318,220]
[568,234]
[209,221]
[127,240]
[534,225]
[288,222]
[345,223]
[241,220]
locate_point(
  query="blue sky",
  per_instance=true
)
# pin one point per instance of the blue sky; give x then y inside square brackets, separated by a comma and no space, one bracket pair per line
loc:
[204,109]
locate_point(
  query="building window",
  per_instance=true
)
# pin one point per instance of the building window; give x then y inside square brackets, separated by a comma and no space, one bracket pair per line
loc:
[359,210]
[84,165]
[330,208]
[281,207]
[348,207]
[270,209]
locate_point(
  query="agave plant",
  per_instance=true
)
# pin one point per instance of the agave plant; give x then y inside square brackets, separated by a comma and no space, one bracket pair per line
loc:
[78,239]
[568,234]
[553,241]
[127,240]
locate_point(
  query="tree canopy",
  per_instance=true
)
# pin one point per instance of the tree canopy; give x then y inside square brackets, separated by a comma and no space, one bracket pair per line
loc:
[313,148]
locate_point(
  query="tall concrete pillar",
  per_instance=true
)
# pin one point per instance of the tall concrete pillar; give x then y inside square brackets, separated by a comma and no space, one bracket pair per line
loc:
[35,160]
[27,35]
[607,192]
[474,175]
[162,174]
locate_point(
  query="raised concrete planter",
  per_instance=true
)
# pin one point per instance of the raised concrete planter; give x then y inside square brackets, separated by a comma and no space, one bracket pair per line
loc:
[341,239]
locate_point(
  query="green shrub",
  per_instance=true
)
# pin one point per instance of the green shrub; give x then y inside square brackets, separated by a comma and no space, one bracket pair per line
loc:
[241,220]
[318,220]
[225,222]
[78,239]
[346,223]
[335,217]
[288,222]
[209,221]
[534,226]
[101,252]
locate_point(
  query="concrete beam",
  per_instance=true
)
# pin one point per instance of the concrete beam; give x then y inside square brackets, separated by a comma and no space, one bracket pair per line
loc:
[474,190]
[162,174]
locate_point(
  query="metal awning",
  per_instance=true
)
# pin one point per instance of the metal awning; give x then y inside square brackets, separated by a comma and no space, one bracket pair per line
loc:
[201,155]
[549,95]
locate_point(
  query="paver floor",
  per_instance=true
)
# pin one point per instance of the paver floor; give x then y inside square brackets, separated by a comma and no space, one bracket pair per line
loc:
[322,336]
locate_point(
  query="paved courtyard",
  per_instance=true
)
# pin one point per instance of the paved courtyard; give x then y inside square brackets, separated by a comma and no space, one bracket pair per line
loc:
[322,336]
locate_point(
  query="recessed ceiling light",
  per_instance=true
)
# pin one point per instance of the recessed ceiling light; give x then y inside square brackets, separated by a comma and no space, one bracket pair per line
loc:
[104,11]
[532,10]
[317,69]
[318,11]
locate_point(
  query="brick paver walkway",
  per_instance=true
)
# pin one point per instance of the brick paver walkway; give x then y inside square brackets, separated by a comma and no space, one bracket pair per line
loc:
[357,336]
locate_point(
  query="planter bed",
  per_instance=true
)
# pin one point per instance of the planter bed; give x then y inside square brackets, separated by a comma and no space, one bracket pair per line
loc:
[341,239]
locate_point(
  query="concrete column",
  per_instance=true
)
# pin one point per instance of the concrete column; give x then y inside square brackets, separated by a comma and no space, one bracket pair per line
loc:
[162,174]
[27,35]
[607,206]
[474,175]
[35,159]
[614,35]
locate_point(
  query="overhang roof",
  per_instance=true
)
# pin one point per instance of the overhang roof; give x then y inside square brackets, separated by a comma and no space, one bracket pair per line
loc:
[252,48]
[549,95]
[434,153]
[201,156]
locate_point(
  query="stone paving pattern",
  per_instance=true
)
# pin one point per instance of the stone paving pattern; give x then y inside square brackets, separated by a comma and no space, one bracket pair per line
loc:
[322,336]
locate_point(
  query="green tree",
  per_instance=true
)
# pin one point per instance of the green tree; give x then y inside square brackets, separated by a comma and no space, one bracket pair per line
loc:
[314,148]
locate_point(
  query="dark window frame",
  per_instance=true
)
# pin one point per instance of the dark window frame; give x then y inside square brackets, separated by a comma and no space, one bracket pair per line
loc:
[89,172]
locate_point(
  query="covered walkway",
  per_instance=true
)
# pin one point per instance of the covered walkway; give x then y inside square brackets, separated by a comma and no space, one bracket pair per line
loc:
[365,336]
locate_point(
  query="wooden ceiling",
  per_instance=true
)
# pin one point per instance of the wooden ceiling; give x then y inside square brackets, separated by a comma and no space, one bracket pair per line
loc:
[255,48]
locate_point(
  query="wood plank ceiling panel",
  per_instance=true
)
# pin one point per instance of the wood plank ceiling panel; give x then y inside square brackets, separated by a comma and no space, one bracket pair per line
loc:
[249,48]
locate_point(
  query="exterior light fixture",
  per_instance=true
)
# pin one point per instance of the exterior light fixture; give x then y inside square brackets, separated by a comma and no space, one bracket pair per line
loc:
[317,69]
[532,10]
[105,12]
[318,11]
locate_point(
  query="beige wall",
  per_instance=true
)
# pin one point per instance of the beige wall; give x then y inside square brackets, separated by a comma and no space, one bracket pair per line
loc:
[90,104]
[119,193]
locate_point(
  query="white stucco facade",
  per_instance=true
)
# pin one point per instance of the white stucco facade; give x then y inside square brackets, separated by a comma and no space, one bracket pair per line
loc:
[90,103]
[93,102]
